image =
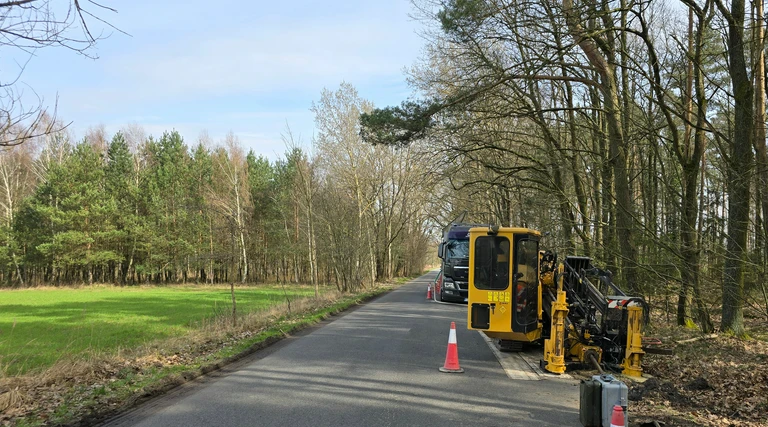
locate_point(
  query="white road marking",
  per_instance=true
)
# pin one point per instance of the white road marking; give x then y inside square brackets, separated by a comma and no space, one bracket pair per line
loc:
[521,365]
[515,367]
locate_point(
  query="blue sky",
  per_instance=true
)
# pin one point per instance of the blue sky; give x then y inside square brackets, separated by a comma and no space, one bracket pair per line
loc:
[249,67]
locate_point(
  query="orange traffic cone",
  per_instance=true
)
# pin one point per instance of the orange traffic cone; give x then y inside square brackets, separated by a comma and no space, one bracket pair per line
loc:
[429,291]
[617,418]
[452,355]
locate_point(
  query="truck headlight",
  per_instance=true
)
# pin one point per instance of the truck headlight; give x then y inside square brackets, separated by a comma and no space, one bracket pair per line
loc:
[449,285]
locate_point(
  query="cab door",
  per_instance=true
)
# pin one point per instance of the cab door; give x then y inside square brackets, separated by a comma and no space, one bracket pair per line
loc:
[525,282]
[489,293]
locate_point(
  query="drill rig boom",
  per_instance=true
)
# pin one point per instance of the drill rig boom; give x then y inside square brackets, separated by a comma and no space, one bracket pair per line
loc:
[602,322]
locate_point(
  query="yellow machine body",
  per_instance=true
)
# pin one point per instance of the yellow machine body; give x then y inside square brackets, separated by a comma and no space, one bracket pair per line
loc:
[504,294]
[518,294]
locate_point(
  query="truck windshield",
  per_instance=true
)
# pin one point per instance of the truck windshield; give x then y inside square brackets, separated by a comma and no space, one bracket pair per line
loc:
[458,249]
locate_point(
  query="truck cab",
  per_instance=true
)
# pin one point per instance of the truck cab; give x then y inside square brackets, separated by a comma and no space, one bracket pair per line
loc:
[453,252]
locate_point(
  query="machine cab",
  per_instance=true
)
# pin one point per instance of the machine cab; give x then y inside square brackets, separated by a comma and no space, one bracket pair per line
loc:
[504,294]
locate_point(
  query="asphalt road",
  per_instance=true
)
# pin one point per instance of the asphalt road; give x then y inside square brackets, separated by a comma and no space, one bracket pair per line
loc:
[374,366]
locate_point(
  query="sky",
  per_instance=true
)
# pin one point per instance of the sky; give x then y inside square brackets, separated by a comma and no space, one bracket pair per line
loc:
[250,67]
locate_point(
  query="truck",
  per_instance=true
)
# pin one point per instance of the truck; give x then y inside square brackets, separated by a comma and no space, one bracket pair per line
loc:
[452,282]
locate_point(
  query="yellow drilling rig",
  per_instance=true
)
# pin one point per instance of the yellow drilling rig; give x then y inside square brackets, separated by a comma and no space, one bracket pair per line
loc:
[519,294]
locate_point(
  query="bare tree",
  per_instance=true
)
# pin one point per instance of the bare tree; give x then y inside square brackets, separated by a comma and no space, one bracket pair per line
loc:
[25,27]
[350,161]
[739,163]
[306,187]
[232,200]
[17,181]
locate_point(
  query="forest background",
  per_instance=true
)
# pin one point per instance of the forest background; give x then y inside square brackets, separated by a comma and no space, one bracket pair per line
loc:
[133,209]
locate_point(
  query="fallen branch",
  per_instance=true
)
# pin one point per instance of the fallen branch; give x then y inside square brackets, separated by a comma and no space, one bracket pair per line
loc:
[703,337]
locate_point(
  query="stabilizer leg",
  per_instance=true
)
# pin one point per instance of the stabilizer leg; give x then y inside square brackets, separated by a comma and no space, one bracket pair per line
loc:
[634,354]
[554,347]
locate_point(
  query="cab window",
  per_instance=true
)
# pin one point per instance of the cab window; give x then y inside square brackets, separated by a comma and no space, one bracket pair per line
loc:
[491,262]
[525,282]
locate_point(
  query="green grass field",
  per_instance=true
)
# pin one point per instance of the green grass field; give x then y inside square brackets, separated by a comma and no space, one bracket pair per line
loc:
[39,326]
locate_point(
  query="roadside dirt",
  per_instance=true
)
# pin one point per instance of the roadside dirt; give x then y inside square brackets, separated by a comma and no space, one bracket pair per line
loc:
[711,380]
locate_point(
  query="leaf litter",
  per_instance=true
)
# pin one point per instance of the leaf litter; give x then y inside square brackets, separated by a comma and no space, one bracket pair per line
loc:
[716,380]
